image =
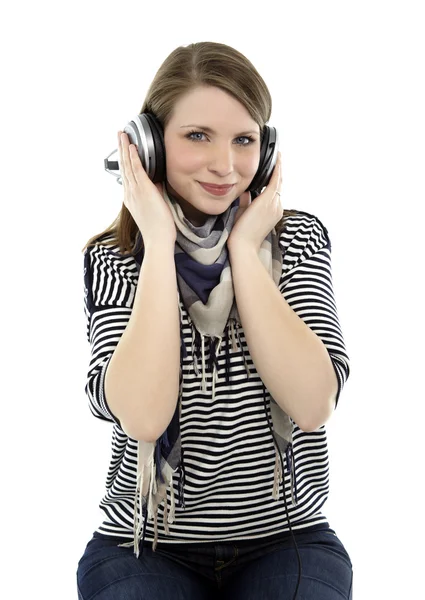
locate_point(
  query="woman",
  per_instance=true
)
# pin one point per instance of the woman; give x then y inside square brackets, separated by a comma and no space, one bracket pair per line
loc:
[218,356]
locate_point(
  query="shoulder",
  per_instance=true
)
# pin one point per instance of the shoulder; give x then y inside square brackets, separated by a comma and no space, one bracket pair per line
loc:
[302,236]
[110,277]
[105,254]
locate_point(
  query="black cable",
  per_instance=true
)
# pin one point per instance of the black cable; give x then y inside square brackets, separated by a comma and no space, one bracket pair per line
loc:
[286,505]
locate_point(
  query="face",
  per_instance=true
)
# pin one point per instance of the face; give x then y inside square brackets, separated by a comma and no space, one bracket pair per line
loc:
[221,157]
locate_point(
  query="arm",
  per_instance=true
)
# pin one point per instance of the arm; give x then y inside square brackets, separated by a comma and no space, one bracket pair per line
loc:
[295,363]
[134,334]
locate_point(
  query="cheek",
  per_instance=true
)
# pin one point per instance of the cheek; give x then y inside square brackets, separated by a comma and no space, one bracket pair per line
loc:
[253,164]
[184,160]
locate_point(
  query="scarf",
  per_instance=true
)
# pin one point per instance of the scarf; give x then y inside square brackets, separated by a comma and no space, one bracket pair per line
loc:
[204,278]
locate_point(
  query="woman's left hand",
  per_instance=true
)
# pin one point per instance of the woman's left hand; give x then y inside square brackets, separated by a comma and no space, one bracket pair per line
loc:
[255,220]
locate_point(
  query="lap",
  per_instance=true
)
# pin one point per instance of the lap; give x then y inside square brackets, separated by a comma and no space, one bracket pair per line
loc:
[107,572]
[253,571]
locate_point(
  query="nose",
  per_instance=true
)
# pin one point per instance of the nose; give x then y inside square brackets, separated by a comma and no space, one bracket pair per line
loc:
[221,162]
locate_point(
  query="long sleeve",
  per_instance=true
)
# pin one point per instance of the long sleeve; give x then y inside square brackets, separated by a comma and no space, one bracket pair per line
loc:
[306,284]
[110,282]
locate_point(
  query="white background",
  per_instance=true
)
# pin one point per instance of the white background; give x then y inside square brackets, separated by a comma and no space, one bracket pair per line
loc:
[347,82]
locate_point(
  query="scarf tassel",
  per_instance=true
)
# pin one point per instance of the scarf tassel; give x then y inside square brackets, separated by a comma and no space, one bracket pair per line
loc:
[290,461]
[137,524]
[182,481]
[183,350]
[243,353]
[277,477]
[161,443]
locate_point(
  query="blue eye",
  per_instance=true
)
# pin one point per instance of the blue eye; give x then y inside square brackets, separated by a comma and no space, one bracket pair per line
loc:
[250,139]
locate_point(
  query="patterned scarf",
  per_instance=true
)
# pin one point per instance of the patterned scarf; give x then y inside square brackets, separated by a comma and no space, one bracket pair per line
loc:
[204,279]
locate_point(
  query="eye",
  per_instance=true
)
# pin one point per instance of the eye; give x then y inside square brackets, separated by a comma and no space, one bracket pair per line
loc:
[250,139]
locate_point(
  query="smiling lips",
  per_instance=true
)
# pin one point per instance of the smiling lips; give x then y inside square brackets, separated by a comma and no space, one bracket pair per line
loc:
[215,185]
[216,190]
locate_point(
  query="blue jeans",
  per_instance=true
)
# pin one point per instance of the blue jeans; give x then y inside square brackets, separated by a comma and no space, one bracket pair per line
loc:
[241,570]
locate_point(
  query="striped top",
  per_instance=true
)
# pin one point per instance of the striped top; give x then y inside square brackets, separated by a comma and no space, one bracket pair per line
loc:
[228,491]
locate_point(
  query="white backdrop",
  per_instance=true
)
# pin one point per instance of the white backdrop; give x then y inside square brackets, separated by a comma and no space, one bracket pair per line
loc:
[347,82]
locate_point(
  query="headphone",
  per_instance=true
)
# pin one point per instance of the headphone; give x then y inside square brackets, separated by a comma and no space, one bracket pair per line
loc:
[147,134]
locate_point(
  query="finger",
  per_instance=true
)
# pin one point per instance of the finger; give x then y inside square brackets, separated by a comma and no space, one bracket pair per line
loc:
[277,184]
[279,170]
[278,165]
[137,168]
[276,177]
[274,180]
[126,159]
[121,161]
[280,185]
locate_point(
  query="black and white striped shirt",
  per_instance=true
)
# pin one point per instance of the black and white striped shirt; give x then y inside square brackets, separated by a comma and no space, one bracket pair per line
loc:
[228,490]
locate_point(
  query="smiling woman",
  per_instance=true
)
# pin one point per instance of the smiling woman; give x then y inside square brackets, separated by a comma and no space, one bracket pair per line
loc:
[225,463]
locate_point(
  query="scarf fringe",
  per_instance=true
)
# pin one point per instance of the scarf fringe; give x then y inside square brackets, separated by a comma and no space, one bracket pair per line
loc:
[240,346]
[277,477]
[290,461]
[215,374]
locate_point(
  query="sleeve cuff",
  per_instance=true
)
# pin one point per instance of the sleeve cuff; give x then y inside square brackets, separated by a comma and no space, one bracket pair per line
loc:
[338,374]
[103,401]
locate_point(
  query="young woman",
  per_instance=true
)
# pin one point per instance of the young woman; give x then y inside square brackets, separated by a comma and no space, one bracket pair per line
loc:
[217,354]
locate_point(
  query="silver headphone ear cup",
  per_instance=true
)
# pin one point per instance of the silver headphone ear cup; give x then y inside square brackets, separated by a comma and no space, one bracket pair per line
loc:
[157,133]
[140,134]
[146,133]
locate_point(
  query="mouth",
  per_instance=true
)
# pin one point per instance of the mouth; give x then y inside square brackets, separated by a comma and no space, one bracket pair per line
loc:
[216,190]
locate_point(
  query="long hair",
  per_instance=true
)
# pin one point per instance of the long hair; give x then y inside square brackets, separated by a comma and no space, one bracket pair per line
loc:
[186,68]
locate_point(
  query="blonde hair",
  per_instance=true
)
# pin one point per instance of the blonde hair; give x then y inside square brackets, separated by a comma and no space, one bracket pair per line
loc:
[186,68]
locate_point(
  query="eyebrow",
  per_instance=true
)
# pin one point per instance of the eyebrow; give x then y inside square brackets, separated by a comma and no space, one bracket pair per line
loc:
[209,130]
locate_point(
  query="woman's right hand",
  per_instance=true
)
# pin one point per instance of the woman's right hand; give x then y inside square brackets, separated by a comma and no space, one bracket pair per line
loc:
[144,199]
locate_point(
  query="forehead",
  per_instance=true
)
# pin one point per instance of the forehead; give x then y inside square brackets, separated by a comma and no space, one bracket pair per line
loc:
[214,109]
